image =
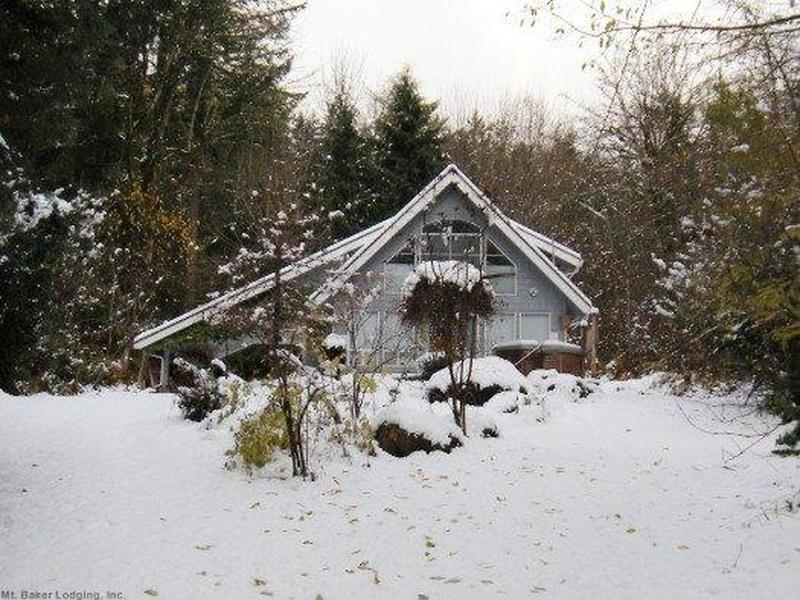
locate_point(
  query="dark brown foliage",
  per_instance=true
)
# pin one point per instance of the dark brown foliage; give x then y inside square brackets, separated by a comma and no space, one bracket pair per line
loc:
[398,442]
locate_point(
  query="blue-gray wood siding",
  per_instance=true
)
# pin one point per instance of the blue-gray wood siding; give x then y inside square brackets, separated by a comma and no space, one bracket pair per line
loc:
[535,294]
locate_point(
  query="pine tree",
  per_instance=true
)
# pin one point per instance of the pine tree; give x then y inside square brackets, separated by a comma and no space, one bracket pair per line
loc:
[409,140]
[343,178]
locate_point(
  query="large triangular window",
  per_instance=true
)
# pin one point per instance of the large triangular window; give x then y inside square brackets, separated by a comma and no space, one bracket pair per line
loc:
[500,270]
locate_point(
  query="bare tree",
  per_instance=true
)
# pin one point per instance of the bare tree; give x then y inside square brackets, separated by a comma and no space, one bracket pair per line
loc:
[279,229]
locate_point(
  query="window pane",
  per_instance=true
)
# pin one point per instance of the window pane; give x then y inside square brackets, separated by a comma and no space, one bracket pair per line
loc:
[535,327]
[399,342]
[368,332]
[398,268]
[395,275]
[498,260]
[466,244]
[434,247]
[405,256]
[502,278]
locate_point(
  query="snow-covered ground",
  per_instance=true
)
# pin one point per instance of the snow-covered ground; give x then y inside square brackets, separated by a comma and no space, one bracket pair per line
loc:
[616,496]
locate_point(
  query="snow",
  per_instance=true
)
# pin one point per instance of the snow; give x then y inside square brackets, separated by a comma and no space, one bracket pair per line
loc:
[486,372]
[459,273]
[426,357]
[420,418]
[33,207]
[506,402]
[740,149]
[547,346]
[617,495]
[335,341]
[559,387]
[480,420]
[552,346]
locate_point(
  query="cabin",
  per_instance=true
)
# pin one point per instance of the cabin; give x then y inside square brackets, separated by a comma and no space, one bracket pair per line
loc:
[543,320]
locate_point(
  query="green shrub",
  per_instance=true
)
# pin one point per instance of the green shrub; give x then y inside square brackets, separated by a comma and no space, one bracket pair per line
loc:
[258,437]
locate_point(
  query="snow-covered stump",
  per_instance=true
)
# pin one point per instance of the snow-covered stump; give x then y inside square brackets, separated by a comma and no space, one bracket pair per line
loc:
[404,428]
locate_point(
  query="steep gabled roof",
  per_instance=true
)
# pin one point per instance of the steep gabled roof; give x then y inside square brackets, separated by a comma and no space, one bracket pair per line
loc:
[548,245]
[453,176]
[328,255]
[357,249]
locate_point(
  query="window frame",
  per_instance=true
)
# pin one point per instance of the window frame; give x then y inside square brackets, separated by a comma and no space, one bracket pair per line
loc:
[475,232]
[535,314]
[419,254]
[488,241]
[512,316]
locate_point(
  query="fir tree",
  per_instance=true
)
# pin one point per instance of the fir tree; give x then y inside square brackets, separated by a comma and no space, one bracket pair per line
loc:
[344,170]
[409,140]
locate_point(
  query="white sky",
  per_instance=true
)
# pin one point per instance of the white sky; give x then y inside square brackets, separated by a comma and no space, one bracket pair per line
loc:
[461,51]
[465,53]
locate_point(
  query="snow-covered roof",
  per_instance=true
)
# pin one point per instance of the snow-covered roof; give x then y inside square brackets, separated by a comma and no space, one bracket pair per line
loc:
[547,346]
[357,249]
[334,252]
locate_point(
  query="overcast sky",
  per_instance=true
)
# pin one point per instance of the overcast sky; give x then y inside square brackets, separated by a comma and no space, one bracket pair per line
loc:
[463,52]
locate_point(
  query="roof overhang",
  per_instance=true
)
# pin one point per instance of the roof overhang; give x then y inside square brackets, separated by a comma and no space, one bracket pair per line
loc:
[332,253]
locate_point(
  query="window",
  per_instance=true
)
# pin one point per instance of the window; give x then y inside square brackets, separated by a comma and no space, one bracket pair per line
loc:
[399,344]
[397,268]
[534,327]
[502,273]
[500,328]
[451,240]
[368,334]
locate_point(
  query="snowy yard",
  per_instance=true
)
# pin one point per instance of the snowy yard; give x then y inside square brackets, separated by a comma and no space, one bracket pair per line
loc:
[614,496]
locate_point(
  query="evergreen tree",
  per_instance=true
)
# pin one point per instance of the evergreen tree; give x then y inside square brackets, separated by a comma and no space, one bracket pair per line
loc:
[158,107]
[344,170]
[409,146]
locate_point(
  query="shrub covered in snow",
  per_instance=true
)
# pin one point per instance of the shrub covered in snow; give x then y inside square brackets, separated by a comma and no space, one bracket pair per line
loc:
[334,345]
[482,423]
[506,402]
[553,384]
[458,274]
[199,391]
[449,297]
[405,427]
[441,291]
[487,376]
[430,362]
